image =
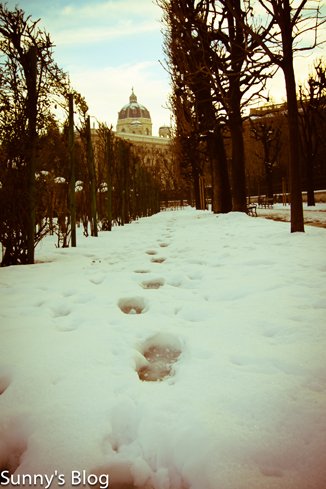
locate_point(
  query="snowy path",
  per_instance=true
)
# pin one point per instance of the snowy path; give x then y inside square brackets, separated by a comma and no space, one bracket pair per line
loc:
[235,307]
[315,215]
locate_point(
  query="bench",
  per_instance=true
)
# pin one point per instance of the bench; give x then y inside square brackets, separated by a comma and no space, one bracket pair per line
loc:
[266,202]
[252,209]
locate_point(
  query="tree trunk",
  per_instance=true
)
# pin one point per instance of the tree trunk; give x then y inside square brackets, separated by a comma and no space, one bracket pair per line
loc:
[221,192]
[91,171]
[72,182]
[297,222]
[30,69]
[311,150]
[310,183]
[269,175]
[238,165]
[237,52]
[109,163]
[196,184]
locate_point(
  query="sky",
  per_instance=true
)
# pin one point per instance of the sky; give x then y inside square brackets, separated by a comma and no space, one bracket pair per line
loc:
[184,350]
[109,47]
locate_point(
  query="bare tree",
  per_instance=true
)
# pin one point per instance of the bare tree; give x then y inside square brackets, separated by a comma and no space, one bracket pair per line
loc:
[220,63]
[187,48]
[312,119]
[240,71]
[187,142]
[286,21]
[28,75]
[269,136]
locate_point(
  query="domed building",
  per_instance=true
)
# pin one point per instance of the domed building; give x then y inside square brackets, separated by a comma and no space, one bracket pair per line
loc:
[134,118]
[135,126]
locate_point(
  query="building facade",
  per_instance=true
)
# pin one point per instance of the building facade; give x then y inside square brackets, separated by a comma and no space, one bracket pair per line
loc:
[135,126]
[156,152]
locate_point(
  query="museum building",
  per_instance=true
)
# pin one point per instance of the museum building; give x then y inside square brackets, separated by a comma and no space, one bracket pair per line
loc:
[135,124]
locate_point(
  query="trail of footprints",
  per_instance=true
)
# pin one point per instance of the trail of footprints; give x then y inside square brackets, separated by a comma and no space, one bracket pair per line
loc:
[160,352]
[158,355]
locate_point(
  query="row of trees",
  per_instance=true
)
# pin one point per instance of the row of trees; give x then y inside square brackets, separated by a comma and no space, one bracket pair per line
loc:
[30,79]
[54,176]
[267,154]
[220,55]
[111,184]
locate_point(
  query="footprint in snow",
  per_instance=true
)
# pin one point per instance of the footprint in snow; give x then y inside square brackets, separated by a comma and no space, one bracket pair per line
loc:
[158,356]
[158,259]
[151,252]
[97,279]
[60,310]
[155,283]
[133,305]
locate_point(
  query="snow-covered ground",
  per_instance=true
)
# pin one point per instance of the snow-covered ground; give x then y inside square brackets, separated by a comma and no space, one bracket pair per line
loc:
[315,215]
[229,312]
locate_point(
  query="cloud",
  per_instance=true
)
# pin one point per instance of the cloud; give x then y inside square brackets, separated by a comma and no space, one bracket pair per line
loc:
[101,21]
[85,34]
[107,47]
[116,8]
[108,89]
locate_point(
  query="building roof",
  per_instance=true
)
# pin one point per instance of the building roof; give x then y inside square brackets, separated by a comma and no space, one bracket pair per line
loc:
[133,110]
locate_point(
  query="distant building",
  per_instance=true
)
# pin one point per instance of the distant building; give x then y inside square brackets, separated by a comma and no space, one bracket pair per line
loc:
[134,118]
[135,124]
